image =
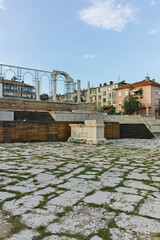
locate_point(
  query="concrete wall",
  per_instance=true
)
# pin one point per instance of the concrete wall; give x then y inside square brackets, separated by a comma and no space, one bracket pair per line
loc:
[6,115]
[71,117]
[21,104]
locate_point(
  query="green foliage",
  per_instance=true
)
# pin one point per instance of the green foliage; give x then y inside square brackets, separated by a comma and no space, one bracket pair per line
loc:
[75,99]
[130,105]
[44,96]
[111,111]
[140,91]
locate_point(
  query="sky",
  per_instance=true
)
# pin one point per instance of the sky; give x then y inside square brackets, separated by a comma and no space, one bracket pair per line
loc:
[92,40]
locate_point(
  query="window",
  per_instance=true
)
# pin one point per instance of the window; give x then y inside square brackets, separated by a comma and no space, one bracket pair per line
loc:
[156,101]
[109,95]
[99,97]
[6,87]
[156,91]
[109,102]
[93,91]
[126,92]
[99,90]
[119,94]
[114,94]
[114,101]
[104,99]
[119,103]
[114,86]
[99,104]
[104,93]
[159,91]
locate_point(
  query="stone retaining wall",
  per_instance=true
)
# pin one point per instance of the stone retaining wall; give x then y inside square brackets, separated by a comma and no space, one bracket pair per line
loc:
[135,131]
[112,130]
[21,104]
[28,131]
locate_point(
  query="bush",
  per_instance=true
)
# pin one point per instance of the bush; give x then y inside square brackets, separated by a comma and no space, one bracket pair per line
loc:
[44,97]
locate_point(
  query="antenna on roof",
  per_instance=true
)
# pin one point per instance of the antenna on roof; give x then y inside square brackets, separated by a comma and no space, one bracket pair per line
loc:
[118,78]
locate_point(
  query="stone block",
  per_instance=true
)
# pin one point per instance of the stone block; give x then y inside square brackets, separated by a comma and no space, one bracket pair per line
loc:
[92,132]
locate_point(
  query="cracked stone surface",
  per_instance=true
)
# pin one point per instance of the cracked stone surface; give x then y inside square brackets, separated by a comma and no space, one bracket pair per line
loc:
[67,191]
[84,219]
[26,234]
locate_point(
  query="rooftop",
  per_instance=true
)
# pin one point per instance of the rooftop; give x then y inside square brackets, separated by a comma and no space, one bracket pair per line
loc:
[14,82]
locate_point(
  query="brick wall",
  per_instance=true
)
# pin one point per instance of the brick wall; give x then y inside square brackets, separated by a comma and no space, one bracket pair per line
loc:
[21,104]
[111,130]
[29,131]
[34,131]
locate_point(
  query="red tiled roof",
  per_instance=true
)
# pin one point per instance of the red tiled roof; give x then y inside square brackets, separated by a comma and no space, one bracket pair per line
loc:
[12,82]
[127,85]
[145,83]
[139,84]
[107,106]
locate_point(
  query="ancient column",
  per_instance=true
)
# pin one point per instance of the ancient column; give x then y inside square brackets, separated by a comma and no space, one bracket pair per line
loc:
[78,91]
[38,90]
[88,92]
[54,86]
[1,90]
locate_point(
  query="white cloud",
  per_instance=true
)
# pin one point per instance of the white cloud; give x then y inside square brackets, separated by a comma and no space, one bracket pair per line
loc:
[153,31]
[108,14]
[89,56]
[2,4]
[152,2]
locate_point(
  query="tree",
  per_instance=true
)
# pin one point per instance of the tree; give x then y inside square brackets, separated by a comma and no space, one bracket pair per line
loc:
[111,111]
[75,99]
[130,105]
[44,96]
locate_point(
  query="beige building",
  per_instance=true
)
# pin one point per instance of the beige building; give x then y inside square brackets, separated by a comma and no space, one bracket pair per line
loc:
[103,96]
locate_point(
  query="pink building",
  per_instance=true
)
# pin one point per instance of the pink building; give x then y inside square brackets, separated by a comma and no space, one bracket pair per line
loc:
[146,91]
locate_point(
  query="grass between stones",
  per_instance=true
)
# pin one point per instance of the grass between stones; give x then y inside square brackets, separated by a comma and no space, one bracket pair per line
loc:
[43,233]
[104,234]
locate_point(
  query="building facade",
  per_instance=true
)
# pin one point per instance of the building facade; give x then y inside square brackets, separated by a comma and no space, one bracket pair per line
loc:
[15,89]
[104,96]
[147,93]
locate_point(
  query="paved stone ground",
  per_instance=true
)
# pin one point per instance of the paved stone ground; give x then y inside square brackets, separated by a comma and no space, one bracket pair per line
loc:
[68,191]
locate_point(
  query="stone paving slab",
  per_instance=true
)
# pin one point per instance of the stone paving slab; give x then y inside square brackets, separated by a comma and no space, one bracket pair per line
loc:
[68,191]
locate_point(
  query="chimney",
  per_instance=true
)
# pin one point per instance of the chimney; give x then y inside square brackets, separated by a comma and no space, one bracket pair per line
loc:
[122,81]
[100,85]
[153,80]
[111,82]
[104,84]
[147,78]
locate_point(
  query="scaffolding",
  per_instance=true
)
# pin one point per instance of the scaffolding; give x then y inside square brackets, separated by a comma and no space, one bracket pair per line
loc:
[19,74]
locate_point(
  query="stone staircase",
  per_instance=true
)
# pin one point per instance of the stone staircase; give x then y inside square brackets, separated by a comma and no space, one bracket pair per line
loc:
[152,124]
[124,119]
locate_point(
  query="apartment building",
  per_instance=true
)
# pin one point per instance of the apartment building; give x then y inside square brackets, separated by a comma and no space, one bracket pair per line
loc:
[147,93]
[16,89]
[103,96]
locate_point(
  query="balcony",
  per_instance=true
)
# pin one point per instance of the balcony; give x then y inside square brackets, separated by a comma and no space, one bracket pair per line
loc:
[137,93]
